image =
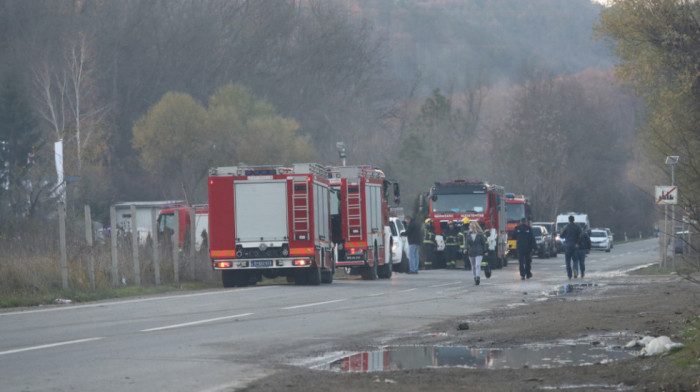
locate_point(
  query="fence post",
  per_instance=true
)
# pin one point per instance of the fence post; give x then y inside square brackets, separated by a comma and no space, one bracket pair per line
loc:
[193,241]
[135,246]
[113,237]
[88,240]
[176,246]
[62,244]
[154,237]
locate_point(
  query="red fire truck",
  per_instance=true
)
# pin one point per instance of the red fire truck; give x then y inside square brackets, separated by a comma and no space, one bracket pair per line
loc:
[517,208]
[453,200]
[270,221]
[361,232]
[166,223]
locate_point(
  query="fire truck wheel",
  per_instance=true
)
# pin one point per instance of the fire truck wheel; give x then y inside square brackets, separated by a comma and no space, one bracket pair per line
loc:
[314,275]
[227,278]
[301,277]
[370,272]
[241,278]
[384,271]
[327,274]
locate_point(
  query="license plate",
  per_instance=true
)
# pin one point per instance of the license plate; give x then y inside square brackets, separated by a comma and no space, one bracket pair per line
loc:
[261,263]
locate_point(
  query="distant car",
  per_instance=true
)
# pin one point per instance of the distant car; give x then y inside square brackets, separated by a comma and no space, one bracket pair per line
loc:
[551,228]
[399,245]
[545,243]
[680,241]
[608,232]
[600,240]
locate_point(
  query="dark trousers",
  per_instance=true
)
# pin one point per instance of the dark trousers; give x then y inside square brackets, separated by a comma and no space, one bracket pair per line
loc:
[570,255]
[525,262]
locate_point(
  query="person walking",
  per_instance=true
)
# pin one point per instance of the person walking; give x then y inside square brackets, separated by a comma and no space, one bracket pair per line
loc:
[413,234]
[584,247]
[476,248]
[452,253]
[525,245]
[428,244]
[570,235]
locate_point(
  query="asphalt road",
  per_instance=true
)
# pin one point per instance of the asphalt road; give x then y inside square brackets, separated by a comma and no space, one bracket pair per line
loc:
[219,339]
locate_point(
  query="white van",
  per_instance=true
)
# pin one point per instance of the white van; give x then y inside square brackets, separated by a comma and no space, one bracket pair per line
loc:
[399,245]
[579,217]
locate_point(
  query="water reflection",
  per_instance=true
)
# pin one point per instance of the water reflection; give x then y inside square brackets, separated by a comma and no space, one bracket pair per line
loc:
[415,357]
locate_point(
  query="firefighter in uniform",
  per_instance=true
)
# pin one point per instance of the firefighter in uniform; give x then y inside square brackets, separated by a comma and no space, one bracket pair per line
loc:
[452,253]
[462,240]
[428,244]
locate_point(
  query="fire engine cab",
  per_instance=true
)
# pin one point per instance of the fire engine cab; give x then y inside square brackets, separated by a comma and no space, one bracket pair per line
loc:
[270,221]
[360,222]
[453,200]
[517,208]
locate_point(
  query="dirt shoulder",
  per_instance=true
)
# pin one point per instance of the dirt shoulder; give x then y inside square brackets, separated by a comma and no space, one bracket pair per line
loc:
[633,305]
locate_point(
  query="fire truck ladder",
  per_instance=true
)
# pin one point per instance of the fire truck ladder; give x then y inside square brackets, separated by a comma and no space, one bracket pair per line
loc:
[300,209]
[354,214]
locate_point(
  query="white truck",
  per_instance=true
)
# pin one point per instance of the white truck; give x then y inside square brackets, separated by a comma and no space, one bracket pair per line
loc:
[579,217]
[144,219]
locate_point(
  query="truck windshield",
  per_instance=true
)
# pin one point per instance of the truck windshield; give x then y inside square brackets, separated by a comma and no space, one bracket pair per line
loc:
[460,203]
[515,212]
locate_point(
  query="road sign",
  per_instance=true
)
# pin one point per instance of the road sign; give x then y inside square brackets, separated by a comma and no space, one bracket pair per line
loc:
[666,194]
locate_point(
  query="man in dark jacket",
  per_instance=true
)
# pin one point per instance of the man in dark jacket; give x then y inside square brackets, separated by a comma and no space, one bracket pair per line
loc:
[571,235]
[415,239]
[525,245]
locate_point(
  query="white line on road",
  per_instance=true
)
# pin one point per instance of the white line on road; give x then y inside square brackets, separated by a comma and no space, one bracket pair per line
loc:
[313,304]
[19,350]
[446,284]
[132,301]
[196,322]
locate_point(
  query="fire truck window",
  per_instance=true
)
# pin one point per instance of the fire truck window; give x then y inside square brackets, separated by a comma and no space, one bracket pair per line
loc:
[460,203]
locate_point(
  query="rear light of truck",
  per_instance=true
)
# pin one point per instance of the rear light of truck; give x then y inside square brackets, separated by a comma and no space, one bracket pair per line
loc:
[300,262]
[223,264]
[354,251]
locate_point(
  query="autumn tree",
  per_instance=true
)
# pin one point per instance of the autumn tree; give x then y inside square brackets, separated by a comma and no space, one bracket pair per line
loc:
[175,143]
[20,142]
[179,139]
[557,148]
[658,44]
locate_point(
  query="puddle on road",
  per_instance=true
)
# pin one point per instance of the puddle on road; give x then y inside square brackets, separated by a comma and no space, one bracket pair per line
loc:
[534,356]
[571,288]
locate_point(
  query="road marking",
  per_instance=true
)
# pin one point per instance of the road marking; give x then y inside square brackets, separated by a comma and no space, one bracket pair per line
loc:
[196,322]
[313,304]
[19,350]
[446,284]
[376,295]
[132,301]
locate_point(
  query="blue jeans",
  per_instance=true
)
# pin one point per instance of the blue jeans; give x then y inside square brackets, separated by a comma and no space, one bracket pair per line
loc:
[580,261]
[570,254]
[413,259]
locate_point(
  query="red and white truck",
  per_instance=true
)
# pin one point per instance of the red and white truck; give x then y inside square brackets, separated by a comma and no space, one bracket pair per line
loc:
[361,231]
[454,200]
[166,224]
[517,208]
[270,221]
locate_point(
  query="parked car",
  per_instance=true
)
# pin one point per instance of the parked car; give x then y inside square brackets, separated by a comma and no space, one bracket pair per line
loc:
[600,240]
[608,232]
[399,245]
[681,241]
[551,228]
[545,243]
